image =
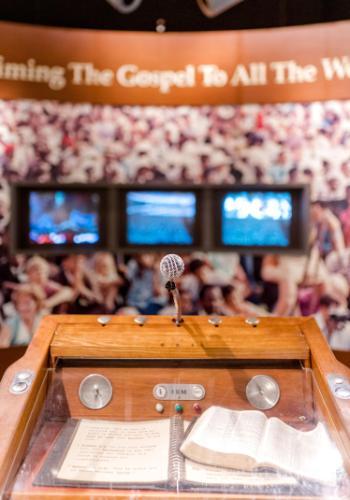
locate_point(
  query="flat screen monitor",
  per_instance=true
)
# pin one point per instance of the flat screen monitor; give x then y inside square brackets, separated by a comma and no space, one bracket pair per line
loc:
[59,219]
[262,219]
[156,217]
[256,218]
[64,218]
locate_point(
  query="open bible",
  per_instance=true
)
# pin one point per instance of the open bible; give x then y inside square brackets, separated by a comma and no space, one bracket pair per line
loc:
[146,455]
[248,440]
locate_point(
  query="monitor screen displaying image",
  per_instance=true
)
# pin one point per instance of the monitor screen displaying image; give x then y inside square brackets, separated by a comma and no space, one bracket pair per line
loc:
[256,218]
[160,217]
[59,217]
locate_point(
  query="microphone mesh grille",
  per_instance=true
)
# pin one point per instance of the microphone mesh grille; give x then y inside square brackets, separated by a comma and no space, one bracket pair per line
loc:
[172,266]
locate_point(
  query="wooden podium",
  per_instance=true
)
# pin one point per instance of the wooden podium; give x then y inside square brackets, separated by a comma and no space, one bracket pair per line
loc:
[40,391]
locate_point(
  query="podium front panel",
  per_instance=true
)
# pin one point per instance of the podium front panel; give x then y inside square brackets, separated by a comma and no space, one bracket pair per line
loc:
[114,392]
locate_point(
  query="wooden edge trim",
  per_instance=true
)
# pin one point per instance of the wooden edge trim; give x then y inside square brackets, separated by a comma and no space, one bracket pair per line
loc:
[323,363]
[15,409]
[193,320]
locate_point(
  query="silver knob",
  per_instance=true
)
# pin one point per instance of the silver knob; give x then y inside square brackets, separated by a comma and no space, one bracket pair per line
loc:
[19,387]
[340,386]
[215,320]
[21,382]
[104,320]
[95,391]
[252,321]
[24,376]
[263,392]
[140,320]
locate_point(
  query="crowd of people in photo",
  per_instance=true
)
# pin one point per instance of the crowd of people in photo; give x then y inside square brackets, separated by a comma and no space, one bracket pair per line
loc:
[47,141]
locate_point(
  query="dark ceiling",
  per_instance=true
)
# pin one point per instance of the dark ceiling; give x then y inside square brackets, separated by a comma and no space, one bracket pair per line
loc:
[180,15]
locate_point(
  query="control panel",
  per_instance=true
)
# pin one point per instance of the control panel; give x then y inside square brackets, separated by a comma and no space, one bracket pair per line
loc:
[118,390]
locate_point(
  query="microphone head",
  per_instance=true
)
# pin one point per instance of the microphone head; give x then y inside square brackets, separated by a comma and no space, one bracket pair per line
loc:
[171,266]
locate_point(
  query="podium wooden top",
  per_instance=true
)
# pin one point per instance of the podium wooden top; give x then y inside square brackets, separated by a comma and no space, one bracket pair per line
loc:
[196,338]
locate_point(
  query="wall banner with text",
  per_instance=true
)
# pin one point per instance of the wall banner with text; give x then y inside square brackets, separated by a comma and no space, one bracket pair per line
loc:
[294,64]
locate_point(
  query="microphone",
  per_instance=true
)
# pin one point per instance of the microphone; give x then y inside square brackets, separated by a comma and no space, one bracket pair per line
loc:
[171,267]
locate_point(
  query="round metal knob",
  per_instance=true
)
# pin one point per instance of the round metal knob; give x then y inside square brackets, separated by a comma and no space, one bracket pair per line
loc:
[95,391]
[342,392]
[24,376]
[19,387]
[340,386]
[140,320]
[21,382]
[252,321]
[263,392]
[215,320]
[104,320]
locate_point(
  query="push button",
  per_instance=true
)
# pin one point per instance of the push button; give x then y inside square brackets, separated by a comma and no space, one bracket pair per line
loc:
[197,408]
[179,408]
[159,407]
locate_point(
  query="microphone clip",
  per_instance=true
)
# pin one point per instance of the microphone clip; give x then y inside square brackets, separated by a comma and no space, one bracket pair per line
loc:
[170,286]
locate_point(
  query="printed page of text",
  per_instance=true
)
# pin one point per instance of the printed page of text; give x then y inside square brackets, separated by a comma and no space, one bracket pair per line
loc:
[227,431]
[207,475]
[306,454]
[118,452]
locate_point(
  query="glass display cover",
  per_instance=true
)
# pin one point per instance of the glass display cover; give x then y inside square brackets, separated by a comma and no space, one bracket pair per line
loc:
[118,447]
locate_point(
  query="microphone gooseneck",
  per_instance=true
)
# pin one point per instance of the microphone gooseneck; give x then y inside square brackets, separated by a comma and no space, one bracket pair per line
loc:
[171,267]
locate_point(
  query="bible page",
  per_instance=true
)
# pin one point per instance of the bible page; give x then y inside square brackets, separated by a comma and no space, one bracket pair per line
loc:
[207,475]
[225,437]
[308,454]
[118,452]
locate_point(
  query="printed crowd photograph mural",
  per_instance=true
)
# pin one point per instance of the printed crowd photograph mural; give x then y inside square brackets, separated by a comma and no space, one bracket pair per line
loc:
[47,141]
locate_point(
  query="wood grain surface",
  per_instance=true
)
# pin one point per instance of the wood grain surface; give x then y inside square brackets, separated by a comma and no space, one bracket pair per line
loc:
[196,338]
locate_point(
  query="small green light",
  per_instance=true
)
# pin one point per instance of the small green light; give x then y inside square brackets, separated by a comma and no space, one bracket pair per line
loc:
[179,408]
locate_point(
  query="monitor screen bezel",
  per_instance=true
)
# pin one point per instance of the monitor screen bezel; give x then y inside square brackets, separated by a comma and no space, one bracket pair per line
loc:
[125,246]
[299,232]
